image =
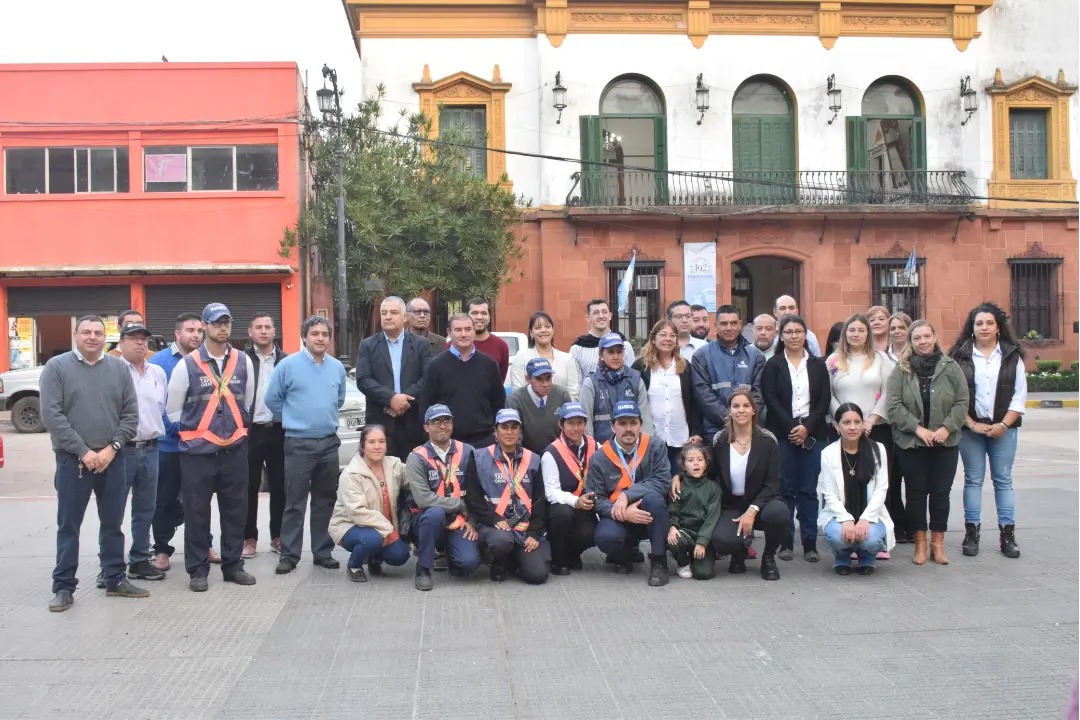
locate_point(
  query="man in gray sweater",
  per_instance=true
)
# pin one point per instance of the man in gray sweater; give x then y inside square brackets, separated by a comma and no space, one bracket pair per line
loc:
[89,407]
[538,403]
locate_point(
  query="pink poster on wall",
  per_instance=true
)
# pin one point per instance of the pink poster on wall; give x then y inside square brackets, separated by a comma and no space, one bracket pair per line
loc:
[166,168]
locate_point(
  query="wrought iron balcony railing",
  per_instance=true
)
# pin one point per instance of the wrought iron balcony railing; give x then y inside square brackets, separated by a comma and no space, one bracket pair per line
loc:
[616,187]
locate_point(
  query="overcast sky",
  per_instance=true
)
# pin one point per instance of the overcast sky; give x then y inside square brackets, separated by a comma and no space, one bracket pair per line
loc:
[307,32]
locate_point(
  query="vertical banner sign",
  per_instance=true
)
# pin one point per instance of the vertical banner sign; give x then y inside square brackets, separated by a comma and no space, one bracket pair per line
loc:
[699,274]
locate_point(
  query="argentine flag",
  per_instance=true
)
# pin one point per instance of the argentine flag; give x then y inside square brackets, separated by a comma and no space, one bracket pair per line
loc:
[625,284]
[909,268]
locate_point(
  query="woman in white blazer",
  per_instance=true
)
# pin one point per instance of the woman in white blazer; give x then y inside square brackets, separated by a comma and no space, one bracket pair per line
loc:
[853,483]
[541,344]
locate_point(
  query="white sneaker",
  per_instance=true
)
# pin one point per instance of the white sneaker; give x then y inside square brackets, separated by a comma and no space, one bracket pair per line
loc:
[684,572]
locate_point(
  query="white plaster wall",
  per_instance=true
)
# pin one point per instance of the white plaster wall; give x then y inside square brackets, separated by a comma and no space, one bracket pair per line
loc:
[1020,37]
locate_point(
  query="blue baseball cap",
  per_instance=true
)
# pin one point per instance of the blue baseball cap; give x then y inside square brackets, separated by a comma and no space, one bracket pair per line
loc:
[538,366]
[572,410]
[507,415]
[611,339]
[625,408]
[437,411]
[214,312]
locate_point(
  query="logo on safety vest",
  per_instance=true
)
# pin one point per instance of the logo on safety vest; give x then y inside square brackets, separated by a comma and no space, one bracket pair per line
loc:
[205,382]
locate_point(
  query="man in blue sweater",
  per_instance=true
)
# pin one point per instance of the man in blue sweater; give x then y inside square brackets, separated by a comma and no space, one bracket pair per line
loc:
[168,512]
[306,391]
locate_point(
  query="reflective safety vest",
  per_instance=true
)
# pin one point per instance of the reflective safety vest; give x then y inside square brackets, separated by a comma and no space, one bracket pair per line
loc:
[626,479]
[509,488]
[572,472]
[212,418]
[605,395]
[447,477]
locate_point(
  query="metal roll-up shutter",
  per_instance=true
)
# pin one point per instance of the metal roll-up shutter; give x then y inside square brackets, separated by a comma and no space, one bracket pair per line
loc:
[78,300]
[165,302]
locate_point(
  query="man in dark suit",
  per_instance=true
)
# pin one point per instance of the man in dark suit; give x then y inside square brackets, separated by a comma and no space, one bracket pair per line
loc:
[390,370]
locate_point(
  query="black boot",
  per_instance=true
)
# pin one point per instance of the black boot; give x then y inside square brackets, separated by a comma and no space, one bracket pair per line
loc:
[658,572]
[971,539]
[1009,548]
[769,571]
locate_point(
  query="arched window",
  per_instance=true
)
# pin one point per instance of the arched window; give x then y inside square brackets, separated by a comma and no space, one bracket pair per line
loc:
[630,136]
[763,141]
[886,145]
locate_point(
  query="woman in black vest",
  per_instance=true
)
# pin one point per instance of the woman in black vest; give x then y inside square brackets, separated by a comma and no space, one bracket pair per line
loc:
[993,366]
[671,398]
[795,384]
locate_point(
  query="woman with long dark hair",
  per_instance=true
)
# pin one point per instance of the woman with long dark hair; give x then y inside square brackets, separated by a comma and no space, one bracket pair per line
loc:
[993,365]
[365,519]
[852,486]
[795,385]
[542,344]
[928,403]
[666,375]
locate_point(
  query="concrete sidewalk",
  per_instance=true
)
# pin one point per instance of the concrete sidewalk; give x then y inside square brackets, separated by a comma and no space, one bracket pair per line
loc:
[984,637]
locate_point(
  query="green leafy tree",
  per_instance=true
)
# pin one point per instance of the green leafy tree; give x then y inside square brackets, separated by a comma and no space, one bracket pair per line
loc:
[417,218]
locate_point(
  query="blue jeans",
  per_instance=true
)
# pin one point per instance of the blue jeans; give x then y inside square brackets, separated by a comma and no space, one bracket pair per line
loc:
[72,496]
[799,470]
[142,481]
[974,449]
[432,533]
[619,539]
[366,545]
[867,549]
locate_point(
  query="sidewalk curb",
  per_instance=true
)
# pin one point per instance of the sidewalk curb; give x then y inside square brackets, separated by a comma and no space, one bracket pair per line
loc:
[1073,403]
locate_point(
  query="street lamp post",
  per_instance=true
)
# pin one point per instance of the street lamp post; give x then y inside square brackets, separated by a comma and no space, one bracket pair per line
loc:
[330,107]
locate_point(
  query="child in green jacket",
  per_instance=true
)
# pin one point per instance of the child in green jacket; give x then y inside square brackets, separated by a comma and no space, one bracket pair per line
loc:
[694,514]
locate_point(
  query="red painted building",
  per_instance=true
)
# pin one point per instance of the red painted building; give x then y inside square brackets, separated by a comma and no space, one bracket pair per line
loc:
[160,187]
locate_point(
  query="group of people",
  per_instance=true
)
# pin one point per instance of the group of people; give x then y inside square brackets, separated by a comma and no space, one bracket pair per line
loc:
[695,445]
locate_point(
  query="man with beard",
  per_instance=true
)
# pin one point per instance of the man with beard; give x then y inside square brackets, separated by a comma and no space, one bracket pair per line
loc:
[586,348]
[699,322]
[418,315]
[485,341]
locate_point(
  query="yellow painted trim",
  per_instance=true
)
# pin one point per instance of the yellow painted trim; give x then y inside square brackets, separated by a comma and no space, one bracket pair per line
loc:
[1069,403]
[1039,94]
[697,19]
[462,88]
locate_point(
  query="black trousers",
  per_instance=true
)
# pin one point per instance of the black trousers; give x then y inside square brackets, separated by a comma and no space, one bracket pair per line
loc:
[477,440]
[928,473]
[225,473]
[168,512]
[403,434]
[266,448]
[570,532]
[772,520]
[894,498]
[504,547]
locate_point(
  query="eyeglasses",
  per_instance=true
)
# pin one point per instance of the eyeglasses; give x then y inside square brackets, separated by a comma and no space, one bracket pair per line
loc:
[793,333]
[681,316]
[221,323]
[420,312]
[441,421]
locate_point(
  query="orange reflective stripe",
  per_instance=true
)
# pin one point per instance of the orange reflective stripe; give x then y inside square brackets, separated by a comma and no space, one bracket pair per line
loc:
[625,481]
[221,390]
[513,482]
[570,458]
[446,473]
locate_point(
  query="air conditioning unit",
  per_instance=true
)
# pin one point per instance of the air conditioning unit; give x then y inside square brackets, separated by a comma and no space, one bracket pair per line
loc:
[648,282]
[898,278]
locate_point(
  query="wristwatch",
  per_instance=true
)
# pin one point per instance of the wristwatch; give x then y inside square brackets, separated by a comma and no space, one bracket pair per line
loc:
[116,445]
[755,508]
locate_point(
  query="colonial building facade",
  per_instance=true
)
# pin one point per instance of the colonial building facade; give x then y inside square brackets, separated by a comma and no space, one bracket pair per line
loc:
[747,150]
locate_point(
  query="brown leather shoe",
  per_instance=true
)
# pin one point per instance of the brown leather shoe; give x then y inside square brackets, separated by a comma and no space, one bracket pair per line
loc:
[249,549]
[937,548]
[161,562]
[214,557]
[275,545]
[919,556]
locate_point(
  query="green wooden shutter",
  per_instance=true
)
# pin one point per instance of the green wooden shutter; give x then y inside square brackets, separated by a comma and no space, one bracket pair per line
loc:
[1027,145]
[660,160]
[919,185]
[472,121]
[592,152]
[858,161]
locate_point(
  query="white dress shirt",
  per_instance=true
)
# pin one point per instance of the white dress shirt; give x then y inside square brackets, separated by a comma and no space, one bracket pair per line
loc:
[688,350]
[986,378]
[800,386]
[262,414]
[549,469]
[665,401]
[737,470]
[151,389]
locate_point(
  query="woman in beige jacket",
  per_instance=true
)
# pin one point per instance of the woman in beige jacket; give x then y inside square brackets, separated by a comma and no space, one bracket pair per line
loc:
[365,516]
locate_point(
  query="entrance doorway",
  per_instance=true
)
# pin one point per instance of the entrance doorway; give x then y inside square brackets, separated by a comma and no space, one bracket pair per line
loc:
[757,281]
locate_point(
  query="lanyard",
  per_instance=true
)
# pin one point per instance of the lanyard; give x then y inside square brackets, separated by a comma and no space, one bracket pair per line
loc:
[448,470]
[632,467]
[510,476]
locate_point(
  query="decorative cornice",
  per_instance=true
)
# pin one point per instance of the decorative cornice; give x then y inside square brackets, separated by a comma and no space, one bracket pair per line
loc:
[697,19]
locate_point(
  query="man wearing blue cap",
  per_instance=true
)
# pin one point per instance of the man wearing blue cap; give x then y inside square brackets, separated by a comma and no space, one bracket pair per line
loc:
[538,403]
[612,381]
[437,472]
[210,391]
[571,509]
[630,478]
[506,501]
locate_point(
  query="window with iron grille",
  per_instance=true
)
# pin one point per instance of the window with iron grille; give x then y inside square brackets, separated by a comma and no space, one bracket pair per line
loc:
[644,308]
[1035,299]
[893,288]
